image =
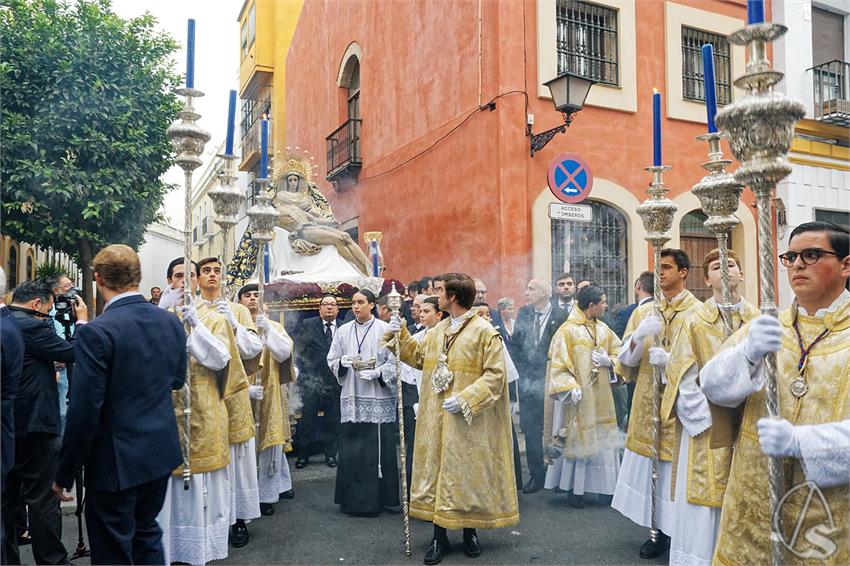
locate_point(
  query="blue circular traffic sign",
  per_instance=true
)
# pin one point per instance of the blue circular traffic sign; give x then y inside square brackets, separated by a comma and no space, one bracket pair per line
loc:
[570,178]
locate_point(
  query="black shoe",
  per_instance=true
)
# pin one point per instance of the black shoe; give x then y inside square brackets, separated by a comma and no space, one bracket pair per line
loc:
[533,486]
[266,509]
[471,545]
[239,534]
[575,501]
[330,461]
[288,494]
[437,550]
[651,549]
[301,462]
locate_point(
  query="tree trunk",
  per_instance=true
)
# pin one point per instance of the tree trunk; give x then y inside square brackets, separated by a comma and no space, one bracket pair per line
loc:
[86,256]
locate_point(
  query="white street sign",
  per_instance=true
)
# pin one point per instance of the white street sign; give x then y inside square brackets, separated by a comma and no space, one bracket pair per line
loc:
[575,212]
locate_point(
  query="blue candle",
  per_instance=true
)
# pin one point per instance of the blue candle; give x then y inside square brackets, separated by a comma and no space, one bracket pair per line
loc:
[190,56]
[656,128]
[755,11]
[264,149]
[710,88]
[374,251]
[231,118]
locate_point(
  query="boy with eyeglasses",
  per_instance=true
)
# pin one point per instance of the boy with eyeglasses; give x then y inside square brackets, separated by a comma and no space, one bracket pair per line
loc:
[812,433]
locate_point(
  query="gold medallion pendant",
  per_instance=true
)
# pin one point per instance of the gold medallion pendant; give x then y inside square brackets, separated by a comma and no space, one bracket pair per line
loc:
[442,376]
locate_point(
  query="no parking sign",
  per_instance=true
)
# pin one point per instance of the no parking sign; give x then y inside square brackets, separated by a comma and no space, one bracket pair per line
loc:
[570,178]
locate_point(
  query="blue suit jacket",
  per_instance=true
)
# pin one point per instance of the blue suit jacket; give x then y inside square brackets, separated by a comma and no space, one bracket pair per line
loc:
[12,357]
[120,423]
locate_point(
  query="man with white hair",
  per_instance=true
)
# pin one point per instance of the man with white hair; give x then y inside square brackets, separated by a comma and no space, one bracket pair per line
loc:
[536,323]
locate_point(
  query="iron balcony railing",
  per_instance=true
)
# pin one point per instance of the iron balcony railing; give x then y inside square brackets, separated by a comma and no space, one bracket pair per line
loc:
[832,92]
[343,148]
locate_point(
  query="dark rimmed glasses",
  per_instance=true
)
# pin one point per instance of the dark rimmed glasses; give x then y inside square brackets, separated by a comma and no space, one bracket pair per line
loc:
[809,256]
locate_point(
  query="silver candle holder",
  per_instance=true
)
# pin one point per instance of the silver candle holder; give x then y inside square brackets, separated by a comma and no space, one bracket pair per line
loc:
[263,217]
[760,127]
[719,194]
[657,214]
[188,140]
[226,200]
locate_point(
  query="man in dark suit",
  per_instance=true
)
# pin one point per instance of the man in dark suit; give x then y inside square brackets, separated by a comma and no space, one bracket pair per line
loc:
[120,423]
[536,323]
[317,429]
[36,413]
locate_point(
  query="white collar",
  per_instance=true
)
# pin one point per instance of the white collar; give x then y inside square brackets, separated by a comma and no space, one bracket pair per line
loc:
[840,300]
[119,297]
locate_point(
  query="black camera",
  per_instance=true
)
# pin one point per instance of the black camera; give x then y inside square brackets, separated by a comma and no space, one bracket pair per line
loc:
[64,305]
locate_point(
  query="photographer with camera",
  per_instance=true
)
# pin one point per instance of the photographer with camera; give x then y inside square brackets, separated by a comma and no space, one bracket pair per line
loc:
[64,318]
[37,438]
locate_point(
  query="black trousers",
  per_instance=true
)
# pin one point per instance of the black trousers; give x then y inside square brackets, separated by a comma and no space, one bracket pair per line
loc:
[30,483]
[531,419]
[315,433]
[122,524]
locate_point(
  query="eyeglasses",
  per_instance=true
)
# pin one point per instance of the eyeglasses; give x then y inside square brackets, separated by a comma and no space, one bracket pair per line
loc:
[810,256]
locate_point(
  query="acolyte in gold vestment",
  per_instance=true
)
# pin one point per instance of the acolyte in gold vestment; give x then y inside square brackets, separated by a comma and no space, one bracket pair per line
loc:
[745,520]
[591,425]
[240,417]
[273,428]
[208,450]
[639,439]
[463,471]
[708,467]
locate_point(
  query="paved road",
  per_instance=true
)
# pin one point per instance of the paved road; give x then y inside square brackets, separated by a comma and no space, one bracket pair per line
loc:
[310,530]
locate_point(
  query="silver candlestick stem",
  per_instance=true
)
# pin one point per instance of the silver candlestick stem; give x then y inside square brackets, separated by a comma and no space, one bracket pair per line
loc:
[760,127]
[226,200]
[394,302]
[263,217]
[719,194]
[657,213]
[188,140]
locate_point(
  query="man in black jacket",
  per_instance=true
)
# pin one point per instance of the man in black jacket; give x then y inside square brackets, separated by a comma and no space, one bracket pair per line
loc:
[37,439]
[535,325]
[317,429]
[120,422]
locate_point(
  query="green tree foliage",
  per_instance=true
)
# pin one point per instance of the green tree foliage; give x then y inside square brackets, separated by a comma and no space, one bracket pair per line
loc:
[86,100]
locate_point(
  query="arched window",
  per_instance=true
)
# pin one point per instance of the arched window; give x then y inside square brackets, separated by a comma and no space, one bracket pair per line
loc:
[696,241]
[595,250]
[12,275]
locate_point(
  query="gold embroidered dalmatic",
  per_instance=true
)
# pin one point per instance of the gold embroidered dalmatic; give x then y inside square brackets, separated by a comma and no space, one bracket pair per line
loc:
[239,414]
[463,471]
[745,522]
[708,467]
[208,448]
[592,424]
[639,439]
[273,428]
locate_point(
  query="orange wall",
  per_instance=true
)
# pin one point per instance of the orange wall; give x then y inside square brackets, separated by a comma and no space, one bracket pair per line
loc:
[465,204]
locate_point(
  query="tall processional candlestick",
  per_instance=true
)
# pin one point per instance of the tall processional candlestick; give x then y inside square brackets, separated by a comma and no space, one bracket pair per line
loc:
[760,128]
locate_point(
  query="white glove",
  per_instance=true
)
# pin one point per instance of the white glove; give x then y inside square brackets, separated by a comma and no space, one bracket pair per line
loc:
[575,395]
[369,374]
[650,326]
[601,358]
[395,322]
[190,315]
[658,357]
[255,392]
[224,310]
[263,323]
[452,405]
[764,337]
[778,437]
[346,361]
[170,297]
